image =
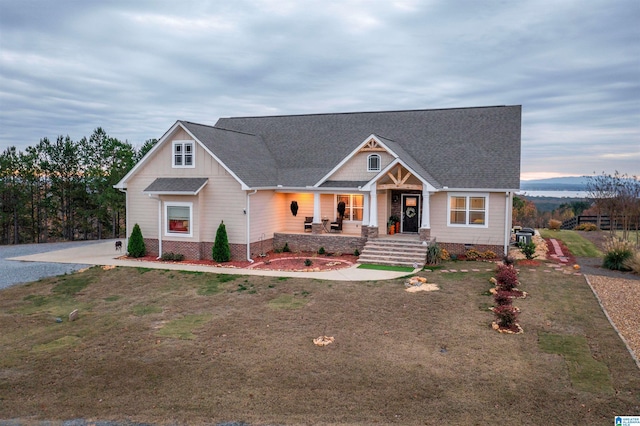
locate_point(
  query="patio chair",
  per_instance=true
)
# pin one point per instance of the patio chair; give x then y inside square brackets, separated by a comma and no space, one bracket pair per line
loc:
[308,220]
[337,225]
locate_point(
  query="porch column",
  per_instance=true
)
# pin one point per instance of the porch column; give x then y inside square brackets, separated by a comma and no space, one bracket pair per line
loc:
[316,207]
[365,210]
[373,214]
[316,226]
[426,212]
[424,232]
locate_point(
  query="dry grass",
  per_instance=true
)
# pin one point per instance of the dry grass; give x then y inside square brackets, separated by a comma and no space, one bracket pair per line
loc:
[170,347]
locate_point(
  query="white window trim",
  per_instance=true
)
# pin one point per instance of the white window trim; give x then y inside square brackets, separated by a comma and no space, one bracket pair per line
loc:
[173,154]
[168,204]
[349,219]
[369,169]
[468,204]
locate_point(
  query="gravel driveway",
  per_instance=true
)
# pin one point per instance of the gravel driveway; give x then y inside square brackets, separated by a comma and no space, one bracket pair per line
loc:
[15,272]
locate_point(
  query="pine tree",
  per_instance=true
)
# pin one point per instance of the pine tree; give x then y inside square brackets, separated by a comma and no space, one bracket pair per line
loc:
[221,251]
[136,247]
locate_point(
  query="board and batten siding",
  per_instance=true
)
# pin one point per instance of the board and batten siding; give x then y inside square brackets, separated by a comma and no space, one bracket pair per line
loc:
[221,199]
[355,169]
[491,235]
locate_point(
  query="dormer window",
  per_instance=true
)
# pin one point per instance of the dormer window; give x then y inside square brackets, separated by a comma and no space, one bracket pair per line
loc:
[373,163]
[183,154]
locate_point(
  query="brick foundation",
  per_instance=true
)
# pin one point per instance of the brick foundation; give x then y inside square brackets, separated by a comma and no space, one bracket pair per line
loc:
[311,242]
[460,249]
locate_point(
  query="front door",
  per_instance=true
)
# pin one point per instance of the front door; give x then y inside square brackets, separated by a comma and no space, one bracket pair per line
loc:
[410,212]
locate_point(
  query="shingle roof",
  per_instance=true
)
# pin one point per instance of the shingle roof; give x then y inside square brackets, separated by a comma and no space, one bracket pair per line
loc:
[457,148]
[176,185]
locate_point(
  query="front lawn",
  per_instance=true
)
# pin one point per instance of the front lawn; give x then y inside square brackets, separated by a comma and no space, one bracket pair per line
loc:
[162,347]
[579,246]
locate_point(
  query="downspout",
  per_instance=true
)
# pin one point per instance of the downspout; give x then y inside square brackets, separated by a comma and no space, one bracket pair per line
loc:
[507,221]
[248,213]
[159,225]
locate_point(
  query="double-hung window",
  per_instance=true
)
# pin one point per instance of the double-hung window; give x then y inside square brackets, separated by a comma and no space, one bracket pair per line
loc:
[183,154]
[179,219]
[468,209]
[354,205]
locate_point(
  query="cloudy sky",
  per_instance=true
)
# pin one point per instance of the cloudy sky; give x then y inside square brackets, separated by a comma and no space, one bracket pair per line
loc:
[135,67]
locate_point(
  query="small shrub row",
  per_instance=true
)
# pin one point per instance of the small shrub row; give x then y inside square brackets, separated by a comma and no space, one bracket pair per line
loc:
[506,280]
[506,277]
[170,256]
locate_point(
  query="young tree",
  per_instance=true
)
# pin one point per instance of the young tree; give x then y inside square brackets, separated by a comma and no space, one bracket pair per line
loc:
[136,246]
[221,251]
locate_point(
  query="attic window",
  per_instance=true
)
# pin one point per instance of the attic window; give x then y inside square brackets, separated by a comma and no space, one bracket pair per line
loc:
[183,154]
[373,163]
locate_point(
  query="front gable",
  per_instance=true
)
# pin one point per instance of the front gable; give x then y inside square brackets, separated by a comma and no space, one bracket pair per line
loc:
[359,165]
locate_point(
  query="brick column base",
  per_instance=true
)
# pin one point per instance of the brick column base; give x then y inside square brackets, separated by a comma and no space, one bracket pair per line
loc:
[373,231]
[316,228]
[424,234]
[364,231]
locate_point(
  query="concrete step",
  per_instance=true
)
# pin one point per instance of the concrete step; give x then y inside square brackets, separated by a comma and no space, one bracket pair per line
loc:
[394,252]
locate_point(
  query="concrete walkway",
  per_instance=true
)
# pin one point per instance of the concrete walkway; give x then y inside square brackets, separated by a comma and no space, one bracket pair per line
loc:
[104,254]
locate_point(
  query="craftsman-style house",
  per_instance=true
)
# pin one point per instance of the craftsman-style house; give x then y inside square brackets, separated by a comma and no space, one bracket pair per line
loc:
[330,180]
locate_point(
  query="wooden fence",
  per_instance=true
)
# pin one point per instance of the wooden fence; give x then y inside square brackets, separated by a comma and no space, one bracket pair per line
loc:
[601,221]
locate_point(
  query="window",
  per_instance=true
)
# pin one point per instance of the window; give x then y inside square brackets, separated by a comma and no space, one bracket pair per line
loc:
[354,205]
[468,210]
[178,219]
[373,163]
[183,154]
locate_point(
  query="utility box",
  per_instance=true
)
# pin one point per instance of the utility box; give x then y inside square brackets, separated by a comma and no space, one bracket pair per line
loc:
[523,237]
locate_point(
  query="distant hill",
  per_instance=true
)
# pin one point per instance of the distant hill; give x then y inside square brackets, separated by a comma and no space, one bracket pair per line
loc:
[570,183]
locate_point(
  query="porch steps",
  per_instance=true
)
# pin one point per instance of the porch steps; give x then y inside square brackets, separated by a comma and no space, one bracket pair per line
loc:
[388,251]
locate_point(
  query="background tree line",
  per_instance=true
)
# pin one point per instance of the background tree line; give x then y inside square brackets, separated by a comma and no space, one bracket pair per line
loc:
[62,190]
[614,195]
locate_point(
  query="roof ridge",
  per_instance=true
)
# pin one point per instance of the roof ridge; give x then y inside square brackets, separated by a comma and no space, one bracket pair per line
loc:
[219,128]
[366,112]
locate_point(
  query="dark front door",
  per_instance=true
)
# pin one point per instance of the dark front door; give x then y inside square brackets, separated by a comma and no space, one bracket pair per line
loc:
[410,212]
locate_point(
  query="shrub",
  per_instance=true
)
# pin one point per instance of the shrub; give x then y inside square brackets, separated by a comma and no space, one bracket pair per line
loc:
[617,252]
[508,260]
[221,252]
[472,254]
[555,224]
[136,247]
[528,249]
[444,255]
[356,252]
[506,315]
[308,262]
[177,257]
[633,263]
[321,250]
[502,298]
[506,277]
[433,254]
[286,248]
[488,255]
[586,227]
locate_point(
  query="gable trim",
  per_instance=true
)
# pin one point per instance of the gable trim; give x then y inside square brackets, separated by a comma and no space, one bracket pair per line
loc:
[362,145]
[122,185]
[426,185]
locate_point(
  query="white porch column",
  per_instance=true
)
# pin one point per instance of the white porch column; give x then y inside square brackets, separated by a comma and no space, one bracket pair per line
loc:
[365,210]
[373,214]
[316,207]
[426,211]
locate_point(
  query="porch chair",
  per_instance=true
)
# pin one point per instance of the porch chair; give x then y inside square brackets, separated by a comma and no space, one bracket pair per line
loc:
[308,220]
[337,225]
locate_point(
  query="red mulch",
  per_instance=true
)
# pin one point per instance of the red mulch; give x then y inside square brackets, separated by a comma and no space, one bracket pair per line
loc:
[273,261]
[571,259]
[527,262]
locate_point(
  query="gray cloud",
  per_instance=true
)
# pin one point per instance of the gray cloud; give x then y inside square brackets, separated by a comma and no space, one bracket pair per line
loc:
[133,68]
